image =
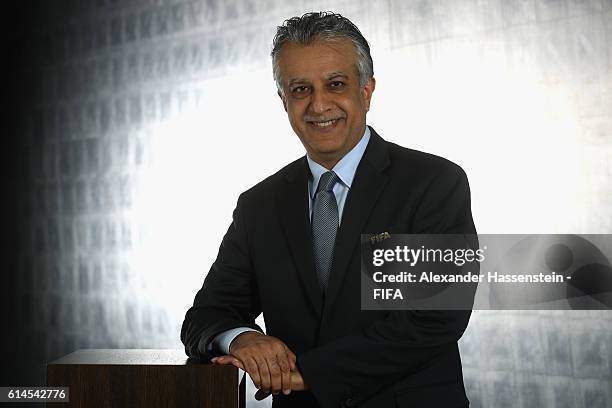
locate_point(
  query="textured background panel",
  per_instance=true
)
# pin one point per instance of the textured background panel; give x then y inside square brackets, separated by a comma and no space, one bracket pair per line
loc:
[130,114]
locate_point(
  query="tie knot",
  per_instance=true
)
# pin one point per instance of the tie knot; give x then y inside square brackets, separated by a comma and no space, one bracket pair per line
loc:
[327,181]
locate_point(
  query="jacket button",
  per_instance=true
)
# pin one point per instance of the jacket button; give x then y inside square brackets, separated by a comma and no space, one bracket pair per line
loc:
[349,403]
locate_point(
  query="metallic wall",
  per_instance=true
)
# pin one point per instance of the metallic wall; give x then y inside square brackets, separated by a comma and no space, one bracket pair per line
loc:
[141,121]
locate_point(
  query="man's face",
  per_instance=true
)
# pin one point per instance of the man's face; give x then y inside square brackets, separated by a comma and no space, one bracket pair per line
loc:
[322,97]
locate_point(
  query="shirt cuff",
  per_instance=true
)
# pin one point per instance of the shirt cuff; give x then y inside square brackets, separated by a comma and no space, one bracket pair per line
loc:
[221,342]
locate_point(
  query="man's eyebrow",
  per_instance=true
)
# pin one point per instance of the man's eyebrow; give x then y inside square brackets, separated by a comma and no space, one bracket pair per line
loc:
[336,74]
[329,76]
[297,81]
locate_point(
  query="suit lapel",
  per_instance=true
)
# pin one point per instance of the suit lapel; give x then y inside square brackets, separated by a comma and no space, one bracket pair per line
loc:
[368,184]
[293,207]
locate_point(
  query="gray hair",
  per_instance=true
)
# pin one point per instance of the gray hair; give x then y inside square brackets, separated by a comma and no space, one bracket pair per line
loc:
[327,26]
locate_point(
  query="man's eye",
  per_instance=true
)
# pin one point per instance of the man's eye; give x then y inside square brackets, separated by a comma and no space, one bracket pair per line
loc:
[299,89]
[336,84]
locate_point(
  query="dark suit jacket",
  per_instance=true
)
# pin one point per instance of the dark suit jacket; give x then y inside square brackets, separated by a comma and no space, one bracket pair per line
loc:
[347,356]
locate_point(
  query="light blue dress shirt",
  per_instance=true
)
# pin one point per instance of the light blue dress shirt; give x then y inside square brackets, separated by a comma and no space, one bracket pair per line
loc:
[345,169]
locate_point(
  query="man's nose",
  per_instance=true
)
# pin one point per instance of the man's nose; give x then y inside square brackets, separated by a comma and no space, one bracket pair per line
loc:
[319,101]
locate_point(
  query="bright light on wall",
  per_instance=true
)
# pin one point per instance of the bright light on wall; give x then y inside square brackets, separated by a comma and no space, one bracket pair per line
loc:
[517,137]
[200,160]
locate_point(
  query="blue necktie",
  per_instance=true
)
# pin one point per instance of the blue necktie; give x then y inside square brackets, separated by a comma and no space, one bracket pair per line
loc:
[324,226]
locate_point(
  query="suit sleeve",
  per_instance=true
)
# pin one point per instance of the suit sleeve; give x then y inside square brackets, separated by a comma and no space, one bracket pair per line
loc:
[357,366]
[228,298]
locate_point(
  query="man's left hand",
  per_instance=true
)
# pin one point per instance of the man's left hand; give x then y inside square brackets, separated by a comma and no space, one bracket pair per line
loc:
[297,381]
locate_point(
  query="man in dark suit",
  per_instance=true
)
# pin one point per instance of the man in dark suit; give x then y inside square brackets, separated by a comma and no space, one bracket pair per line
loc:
[292,251]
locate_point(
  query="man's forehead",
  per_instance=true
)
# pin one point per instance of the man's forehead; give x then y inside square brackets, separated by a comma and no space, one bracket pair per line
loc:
[330,48]
[321,59]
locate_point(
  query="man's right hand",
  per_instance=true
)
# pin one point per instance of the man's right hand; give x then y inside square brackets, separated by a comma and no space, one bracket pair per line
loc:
[267,359]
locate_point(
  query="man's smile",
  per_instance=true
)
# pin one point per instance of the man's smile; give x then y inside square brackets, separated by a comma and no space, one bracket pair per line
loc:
[324,124]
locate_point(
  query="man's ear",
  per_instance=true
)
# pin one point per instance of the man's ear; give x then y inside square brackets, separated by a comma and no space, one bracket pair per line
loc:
[367,91]
[280,95]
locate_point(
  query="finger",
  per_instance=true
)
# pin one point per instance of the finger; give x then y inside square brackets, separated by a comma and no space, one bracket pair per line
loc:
[292,359]
[275,375]
[264,373]
[227,360]
[219,360]
[238,363]
[285,373]
[297,381]
[251,368]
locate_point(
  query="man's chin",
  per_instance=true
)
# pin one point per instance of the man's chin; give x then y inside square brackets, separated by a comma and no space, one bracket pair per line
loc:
[327,149]
[325,154]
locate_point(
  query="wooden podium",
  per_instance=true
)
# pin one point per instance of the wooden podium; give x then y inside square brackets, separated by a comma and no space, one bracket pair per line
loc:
[144,378]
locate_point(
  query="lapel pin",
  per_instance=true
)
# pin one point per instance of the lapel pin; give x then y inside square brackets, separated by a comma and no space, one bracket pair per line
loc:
[379,237]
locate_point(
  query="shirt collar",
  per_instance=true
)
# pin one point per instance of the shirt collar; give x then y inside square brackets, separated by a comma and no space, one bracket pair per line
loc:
[345,168]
